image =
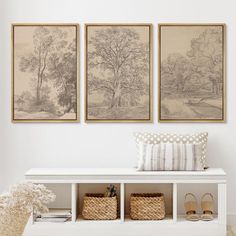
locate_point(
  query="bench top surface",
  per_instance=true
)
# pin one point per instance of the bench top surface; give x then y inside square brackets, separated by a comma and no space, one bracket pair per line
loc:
[37,172]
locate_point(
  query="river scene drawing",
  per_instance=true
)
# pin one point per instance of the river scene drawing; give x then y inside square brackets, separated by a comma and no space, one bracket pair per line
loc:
[192,73]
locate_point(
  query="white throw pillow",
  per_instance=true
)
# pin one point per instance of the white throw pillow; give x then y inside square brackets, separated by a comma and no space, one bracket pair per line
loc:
[169,157]
[199,139]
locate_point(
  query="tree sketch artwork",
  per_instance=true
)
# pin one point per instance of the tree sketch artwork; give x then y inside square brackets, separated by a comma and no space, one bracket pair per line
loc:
[118,80]
[45,72]
[191,72]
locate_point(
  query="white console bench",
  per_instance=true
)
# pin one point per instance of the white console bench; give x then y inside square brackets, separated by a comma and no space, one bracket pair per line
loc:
[123,226]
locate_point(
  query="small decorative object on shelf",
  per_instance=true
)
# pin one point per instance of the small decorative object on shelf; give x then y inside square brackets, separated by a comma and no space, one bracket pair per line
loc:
[111,191]
[147,206]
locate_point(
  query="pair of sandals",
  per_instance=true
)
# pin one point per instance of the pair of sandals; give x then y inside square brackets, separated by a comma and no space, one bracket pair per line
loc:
[207,204]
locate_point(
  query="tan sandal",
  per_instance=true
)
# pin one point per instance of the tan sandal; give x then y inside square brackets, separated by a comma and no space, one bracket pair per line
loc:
[191,207]
[207,207]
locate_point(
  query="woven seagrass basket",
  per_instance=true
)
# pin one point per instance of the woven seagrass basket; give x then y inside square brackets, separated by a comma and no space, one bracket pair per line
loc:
[98,207]
[147,206]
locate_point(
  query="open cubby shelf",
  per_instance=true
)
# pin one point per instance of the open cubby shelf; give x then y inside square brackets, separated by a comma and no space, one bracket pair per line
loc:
[174,185]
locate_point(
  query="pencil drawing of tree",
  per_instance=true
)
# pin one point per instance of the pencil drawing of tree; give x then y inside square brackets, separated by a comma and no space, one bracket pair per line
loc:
[206,54]
[63,72]
[45,42]
[124,62]
[47,62]
[175,72]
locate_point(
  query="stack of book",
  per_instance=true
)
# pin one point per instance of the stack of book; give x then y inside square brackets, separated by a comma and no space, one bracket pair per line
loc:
[55,215]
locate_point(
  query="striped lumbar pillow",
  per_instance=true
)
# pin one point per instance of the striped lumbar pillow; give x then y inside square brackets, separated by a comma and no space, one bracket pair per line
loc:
[199,139]
[169,156]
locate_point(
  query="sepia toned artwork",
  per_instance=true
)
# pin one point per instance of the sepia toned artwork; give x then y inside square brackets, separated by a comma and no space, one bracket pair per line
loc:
[44,76]
[118,73]
[191,73]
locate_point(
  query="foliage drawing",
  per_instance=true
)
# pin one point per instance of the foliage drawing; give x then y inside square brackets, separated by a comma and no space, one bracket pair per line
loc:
[45,72]
[118,78]
[192,80]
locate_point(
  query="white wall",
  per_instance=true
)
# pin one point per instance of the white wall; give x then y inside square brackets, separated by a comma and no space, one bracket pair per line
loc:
[24,146]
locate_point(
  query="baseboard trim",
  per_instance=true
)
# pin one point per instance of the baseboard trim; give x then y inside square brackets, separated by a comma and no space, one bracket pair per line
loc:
[231,219]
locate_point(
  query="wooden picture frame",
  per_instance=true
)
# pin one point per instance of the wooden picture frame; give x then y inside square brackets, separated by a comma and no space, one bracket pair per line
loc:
[112,93]
[192,73]
[45,72]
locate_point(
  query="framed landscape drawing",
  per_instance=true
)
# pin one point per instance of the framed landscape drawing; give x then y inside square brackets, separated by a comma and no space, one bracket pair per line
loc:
[45,73]
[192,72]
[118,73]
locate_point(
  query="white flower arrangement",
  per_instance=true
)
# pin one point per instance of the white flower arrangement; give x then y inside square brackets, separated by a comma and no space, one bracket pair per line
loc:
[17,205]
